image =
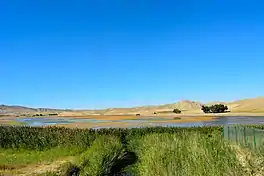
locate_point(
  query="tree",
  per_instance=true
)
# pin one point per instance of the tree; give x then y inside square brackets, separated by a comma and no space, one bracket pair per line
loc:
[217,108]
[206,109]
[177,111]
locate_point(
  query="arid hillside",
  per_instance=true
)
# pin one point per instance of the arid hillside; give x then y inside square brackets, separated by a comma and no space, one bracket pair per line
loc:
[4,109]
[247,105]
[253,105]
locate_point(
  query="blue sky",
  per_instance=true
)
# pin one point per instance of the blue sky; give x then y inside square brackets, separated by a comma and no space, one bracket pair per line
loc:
[121,53]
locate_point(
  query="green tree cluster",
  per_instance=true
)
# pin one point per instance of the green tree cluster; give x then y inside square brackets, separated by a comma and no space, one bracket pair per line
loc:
[34,115]
[177,111]
[217,108]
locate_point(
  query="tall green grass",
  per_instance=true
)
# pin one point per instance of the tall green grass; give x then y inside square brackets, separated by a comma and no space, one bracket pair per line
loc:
[35,138]
[43,138]
[184,154]
[23,157]
[159,151]
[100,158]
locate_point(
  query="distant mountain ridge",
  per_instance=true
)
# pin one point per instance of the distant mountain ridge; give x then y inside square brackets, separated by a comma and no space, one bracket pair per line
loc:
[186,106]
[13,109]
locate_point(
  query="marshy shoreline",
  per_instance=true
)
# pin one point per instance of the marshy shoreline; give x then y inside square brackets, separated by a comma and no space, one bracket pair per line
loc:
[138,151]
[126,121]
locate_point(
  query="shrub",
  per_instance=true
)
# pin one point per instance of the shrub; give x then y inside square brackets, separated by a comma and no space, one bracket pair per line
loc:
[54,114]
[177,111]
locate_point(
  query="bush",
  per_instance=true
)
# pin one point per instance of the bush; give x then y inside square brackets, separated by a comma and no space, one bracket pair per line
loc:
[217,108]
[34,115]
[177,111]
[54,114]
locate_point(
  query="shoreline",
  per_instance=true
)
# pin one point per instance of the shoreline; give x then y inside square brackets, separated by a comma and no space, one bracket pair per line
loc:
[129,116]
[169,115]
[140,124]
[116,120]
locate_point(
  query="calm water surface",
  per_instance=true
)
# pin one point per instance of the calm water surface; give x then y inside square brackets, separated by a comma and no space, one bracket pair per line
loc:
[152,121]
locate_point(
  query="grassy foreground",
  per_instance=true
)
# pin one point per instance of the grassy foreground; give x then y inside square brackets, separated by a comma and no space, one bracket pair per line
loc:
[143,152]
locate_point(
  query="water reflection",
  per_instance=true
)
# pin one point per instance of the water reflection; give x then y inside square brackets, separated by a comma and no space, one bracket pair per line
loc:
[54,121]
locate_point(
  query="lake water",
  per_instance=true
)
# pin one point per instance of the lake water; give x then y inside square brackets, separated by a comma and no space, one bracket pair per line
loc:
[151,121]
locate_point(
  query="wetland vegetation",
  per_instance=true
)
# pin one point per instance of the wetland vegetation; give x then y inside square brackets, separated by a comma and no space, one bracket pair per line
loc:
[138,151]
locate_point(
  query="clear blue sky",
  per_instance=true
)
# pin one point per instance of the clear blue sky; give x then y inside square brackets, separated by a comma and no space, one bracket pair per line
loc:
[109,53]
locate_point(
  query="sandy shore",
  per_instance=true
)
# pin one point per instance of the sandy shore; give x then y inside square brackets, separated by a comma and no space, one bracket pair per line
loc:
[129,124]
[124,116]
[116,121]
[120,117]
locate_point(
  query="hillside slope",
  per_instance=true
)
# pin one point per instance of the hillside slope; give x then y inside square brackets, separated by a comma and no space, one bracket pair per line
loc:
[252,105]
[184,106]
[247,105]
[4,109]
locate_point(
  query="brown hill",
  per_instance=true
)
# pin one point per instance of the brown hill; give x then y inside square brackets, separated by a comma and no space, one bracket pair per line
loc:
[247,105]
[252,105]
[184,105]
[216,102]
[4,109]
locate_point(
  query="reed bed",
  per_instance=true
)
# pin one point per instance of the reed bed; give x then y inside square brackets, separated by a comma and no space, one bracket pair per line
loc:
[139,151]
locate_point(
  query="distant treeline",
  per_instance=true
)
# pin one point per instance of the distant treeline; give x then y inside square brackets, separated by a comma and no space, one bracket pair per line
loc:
[52,114]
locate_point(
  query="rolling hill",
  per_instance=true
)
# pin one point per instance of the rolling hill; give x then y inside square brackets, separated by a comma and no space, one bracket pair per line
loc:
[5,109]
[252,105]
[247,105]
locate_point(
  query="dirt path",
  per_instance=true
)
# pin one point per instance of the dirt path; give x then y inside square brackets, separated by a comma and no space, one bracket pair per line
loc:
[32,170]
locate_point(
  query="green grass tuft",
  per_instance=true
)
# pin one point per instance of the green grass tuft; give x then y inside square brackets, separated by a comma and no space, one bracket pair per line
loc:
[187,154]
